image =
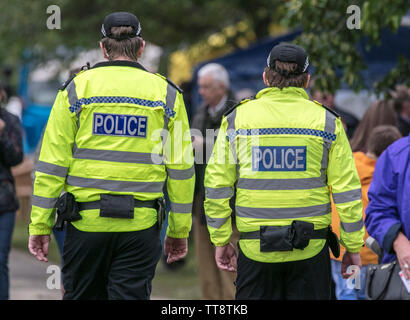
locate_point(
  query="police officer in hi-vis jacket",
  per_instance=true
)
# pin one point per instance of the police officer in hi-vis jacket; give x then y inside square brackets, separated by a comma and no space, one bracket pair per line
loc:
[100,146]
[285,155]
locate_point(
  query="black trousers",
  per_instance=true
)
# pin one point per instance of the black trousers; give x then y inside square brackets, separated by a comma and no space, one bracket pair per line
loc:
[308,279]
[110,265]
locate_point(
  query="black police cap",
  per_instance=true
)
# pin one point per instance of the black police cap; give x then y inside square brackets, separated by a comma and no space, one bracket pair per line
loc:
[288,52]
[121,19]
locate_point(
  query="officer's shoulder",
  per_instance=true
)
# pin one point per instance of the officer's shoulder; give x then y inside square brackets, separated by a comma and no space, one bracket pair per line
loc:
[237,105]
[73,75]
[170,82]
[327,108]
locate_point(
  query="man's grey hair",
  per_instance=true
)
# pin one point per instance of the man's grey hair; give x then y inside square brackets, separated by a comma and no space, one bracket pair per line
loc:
[216,71]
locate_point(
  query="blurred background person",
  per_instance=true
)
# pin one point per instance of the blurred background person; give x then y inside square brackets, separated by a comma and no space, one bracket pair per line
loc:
[213,83]
[11,154]
[401,99]
[379,113]
[388,213]
[379,139]
[350,122]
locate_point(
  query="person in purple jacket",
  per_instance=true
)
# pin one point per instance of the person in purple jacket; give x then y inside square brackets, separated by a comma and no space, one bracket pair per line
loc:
[388,213]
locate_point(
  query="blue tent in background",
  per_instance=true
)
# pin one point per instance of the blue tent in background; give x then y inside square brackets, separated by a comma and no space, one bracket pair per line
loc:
[245,66]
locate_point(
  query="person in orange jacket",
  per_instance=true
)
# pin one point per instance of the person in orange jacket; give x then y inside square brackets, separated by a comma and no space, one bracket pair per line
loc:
[379,139]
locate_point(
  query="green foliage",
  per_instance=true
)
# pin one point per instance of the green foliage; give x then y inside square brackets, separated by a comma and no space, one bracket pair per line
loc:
[398,75]
[171,24]
[332,45]
[176,24]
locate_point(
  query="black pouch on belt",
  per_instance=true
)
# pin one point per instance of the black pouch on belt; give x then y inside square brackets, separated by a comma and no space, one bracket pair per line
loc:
[117,206]
[276,238]
[302,233]
[161,212]
[333,243]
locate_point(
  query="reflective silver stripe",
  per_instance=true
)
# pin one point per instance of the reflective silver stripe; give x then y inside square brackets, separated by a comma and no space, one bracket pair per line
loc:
[117,156]
[280,184]
[177,174]
[114,185]
[352,226]
[72,93]
[283,213]
[347,196]
[72,99]
[330,127]
[181,207]
[219,193]
[330,124]
[42,202]
[169,103]
[171,96]
[230,118]
[215,222]
[52,169]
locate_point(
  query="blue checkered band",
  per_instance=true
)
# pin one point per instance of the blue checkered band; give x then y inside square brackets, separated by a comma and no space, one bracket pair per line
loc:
[268,131]
[141,102]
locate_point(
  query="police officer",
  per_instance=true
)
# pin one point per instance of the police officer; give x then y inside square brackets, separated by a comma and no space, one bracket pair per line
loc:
[110,144]
[287,156]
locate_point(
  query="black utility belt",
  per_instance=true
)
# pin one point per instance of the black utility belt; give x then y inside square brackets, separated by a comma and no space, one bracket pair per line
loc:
[117,206]
[110,206]
[294,236]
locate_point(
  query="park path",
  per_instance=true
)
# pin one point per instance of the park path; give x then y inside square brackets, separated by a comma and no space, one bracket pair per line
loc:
[28,278]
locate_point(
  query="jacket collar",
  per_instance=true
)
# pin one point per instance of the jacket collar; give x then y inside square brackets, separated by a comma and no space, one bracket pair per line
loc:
[274,91]
[119,63]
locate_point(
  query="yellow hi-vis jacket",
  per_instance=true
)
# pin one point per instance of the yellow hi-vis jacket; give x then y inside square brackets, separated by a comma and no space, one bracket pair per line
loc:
[116,129]
[284,154]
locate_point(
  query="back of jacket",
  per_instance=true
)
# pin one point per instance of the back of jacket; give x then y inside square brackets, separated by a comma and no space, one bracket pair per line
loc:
[105,135]
[286,155]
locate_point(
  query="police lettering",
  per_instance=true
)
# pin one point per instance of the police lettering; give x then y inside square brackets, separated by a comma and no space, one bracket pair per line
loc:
[123,125]
[279,158]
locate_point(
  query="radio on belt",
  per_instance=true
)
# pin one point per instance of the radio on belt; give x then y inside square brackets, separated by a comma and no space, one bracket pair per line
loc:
[123,125]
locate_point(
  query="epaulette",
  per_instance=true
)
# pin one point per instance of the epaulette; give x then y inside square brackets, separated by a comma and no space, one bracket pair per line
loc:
[170,82]
[327,108]
[67,82]
[238,104]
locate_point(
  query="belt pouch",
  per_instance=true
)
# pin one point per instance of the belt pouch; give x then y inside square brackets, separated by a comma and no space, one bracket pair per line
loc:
[333,243]
[302,233]
[117,206]
[275,238]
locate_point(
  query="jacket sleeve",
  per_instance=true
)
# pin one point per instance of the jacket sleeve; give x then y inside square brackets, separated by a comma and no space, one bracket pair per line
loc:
[220,178]
[11,144]
[179,162]
[382,219]
[344,182]
[52,165]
